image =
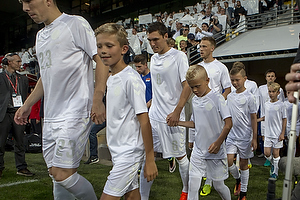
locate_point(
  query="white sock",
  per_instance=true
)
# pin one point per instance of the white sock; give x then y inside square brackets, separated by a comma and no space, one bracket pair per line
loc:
[145,186]
[208,182]
[184,172]
[276,161]
[59,192]
[222,189]
[244,180]
[80,187]
[234,171]
[194,186]
[270,158]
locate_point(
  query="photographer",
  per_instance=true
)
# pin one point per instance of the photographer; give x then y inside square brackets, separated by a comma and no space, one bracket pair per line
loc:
[215,27]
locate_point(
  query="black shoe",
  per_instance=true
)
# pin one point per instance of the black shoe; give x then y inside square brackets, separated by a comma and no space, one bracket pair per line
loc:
[92,159]
[25,172]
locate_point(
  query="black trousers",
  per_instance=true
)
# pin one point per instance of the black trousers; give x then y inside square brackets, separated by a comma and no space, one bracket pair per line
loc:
[6,125]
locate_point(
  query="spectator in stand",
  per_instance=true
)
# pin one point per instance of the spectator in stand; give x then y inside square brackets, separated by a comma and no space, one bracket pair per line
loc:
[215,27]
[158,19]
[239,11]
[171,43]
[178,30]
[185,31]
[208,14]
[202,32]
[194,49]
[229,13]
[183,46]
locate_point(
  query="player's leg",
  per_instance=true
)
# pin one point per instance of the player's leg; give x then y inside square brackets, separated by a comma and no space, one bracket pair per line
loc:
[244,177]
[231,149]
[222,189]
[133,195]
[66,142]
[276,158]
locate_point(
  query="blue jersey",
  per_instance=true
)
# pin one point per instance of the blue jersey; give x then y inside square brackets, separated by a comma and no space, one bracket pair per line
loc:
[147,81]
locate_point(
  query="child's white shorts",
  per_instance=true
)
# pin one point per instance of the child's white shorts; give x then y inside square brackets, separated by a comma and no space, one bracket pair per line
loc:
[171,139]
[273,142]
[216,170]
[64,142]
[243,148]
[123,178]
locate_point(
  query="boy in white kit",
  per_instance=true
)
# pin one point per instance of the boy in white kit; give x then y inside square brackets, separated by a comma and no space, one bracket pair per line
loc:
[170,92]
[209,114]
[270,77]
[240,139]
[129,136]
[274,116]
[65,48]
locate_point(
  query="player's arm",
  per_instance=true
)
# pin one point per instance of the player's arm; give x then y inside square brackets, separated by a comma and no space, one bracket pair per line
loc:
[173,118]
[187,124]
[226,92]
[215,147]
[23,112]
[101,74]
[254,130]
[281,137]
[150,170]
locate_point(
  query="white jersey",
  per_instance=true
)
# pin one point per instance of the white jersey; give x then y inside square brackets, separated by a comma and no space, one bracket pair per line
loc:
[241,106]
[218,75]
[289,108]
[273,113]
[125,99]
[251,86]
[208,114]
[65,49]
[168,71]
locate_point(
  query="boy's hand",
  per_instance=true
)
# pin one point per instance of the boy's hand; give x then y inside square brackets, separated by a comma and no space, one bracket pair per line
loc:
[214,148]
[254,145]
[281,137]
[191,145]
[150,170]
[98,114]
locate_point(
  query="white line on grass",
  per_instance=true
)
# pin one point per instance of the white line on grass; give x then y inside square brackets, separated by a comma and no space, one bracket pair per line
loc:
[17,183]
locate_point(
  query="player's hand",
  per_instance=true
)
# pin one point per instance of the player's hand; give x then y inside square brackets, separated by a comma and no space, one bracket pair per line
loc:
[214,148]
[281,137]
[22,114]
[150,170]
[294,81]
[173,118]
[98,114]
[191,145]
[254,145]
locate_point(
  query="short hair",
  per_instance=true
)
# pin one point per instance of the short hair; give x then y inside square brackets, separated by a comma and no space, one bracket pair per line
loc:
[205,24]
[211,40]
[196,71]
[21,1]
[113,29]
[159,27]
[237,69]
[170,41]
[270,71]
[186,42]
[140,58]
[275,86]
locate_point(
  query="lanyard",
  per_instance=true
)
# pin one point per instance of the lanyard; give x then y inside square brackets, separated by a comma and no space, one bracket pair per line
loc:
[14,87]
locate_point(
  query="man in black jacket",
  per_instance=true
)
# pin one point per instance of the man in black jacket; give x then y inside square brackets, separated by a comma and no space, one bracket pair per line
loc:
[13,92]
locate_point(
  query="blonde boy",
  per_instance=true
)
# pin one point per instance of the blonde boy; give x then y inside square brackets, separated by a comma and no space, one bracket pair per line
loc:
[209,114]
[240,139]
[129,135]
[274,116]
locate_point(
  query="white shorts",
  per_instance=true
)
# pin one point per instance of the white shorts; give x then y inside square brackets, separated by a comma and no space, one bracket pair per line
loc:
[273,142]
[243,148]
[216,170]
[64,142]
[171,139]
[262,128]
[123,178]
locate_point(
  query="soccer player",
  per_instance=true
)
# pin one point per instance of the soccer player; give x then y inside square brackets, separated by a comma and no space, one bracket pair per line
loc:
[170,92]
[263,98]
[212,122]
[65,48]
[240,139]
[129,136]
[274,115]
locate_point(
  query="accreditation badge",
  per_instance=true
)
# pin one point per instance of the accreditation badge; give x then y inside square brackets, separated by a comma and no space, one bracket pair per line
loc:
[17,100]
